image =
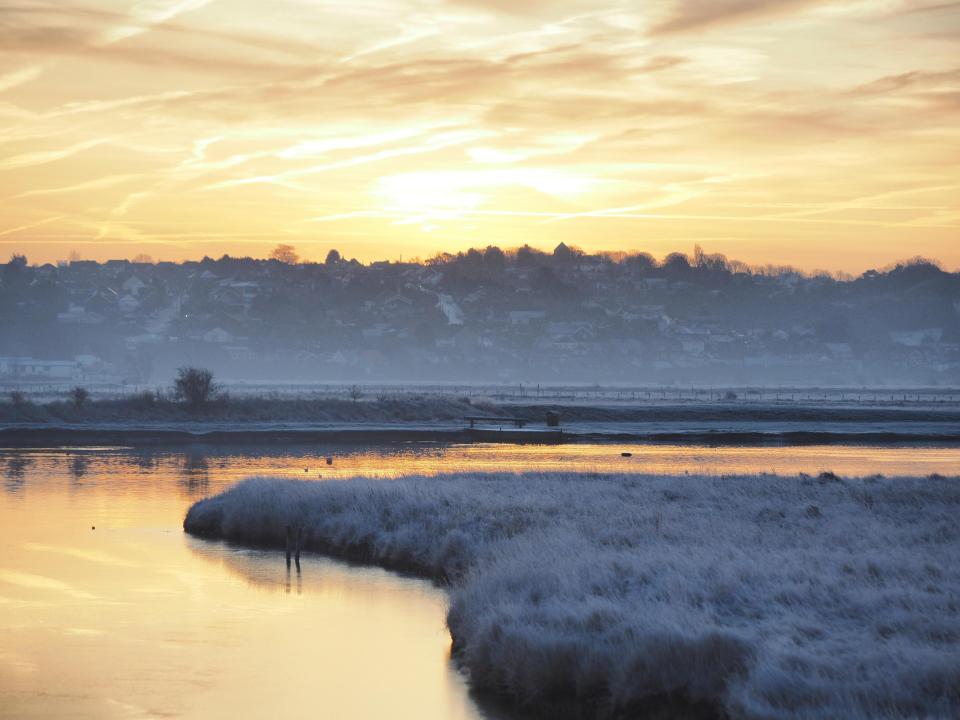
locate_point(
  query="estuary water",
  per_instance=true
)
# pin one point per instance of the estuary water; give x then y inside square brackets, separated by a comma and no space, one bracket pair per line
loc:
[108,610]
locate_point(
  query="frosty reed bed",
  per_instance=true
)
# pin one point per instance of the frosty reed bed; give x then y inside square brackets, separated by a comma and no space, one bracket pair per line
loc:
[757,596]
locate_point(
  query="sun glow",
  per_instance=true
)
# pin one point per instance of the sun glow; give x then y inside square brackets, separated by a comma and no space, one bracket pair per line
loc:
[450,194]
[396,127]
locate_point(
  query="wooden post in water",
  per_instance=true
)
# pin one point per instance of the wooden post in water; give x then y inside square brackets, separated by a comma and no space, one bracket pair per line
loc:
[299,545]
[288,546]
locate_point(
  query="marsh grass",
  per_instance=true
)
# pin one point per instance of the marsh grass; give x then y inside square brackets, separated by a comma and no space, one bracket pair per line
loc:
[607,593]
[156,407]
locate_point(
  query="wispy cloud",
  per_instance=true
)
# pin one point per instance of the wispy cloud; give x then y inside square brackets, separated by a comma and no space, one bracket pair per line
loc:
[438,142]
[96,184]
[521,122]
[15,78]
[30,226]
[41,157]
[147,13]
[690,15]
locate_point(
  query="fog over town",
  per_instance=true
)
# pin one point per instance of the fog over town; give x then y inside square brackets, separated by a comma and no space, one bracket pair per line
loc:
[486,315]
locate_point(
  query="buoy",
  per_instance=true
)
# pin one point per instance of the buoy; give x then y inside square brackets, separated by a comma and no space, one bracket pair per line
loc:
[329,461]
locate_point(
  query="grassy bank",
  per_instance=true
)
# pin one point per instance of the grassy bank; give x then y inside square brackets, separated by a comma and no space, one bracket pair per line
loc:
[149,408]
[747,596]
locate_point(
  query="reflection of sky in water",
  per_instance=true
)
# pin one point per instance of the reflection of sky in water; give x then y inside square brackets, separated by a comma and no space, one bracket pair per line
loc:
[198,470]
[135,618]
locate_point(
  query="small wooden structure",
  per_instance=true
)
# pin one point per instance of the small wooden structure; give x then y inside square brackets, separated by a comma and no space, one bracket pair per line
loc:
[519,422]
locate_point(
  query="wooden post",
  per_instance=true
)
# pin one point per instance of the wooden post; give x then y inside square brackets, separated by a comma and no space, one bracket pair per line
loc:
[288,546]
[299,546]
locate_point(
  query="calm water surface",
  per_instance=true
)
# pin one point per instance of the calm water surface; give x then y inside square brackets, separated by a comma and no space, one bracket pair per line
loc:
[136,619]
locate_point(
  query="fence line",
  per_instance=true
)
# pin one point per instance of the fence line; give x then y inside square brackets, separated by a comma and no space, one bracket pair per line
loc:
[544,393]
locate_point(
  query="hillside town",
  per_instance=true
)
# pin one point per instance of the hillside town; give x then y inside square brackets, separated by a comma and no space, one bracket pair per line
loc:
[486,315]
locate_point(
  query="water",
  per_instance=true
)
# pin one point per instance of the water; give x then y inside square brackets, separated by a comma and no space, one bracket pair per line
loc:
[136,619]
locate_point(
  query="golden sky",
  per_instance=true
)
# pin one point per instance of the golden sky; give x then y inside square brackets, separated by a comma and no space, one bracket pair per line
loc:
[817,133]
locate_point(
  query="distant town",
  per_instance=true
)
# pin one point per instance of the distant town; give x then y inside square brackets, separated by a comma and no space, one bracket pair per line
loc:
[486,315]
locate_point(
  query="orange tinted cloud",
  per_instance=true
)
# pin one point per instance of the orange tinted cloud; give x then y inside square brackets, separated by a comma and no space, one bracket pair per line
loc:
[819,133]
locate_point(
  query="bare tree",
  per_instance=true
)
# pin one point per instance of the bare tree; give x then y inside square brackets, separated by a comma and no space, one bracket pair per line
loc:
[355,392]
[79,396]
[194,386]
[285,254]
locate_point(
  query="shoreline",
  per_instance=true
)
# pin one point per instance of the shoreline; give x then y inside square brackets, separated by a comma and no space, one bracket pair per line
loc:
[449,421]
[34,437]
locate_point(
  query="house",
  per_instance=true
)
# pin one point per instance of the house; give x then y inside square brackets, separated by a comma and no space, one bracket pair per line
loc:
[236,294]
[133,285]
[218,335]
[375,331]
[915,338]
[87,361]
[525,317]
[128,303]
[568,330]
[79,315]
[840,350]
[397,301]
[26,368]
[102,301]
[133,342]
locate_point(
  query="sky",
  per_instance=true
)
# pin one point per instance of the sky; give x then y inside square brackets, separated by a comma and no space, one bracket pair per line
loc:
[814,133]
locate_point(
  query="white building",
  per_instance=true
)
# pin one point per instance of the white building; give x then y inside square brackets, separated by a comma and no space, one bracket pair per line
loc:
[25,368]
[916,338]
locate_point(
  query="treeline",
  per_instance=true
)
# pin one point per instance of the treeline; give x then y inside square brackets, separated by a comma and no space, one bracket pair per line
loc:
[676,266]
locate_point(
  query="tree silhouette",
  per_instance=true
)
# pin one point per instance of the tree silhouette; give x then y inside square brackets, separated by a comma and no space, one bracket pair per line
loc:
[194,386]
[79,396]
[285,254]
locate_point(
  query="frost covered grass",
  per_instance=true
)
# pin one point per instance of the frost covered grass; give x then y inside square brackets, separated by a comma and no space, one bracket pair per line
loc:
[758,597]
